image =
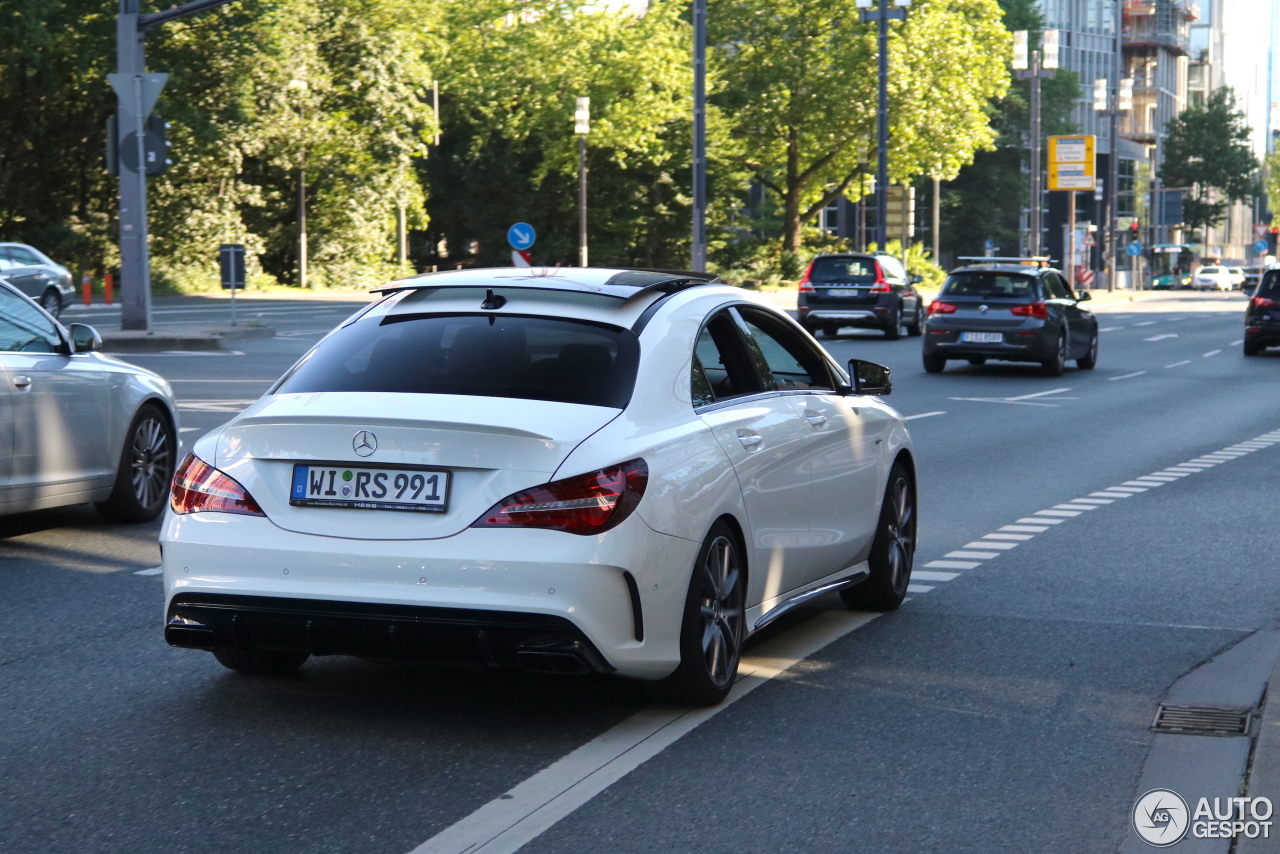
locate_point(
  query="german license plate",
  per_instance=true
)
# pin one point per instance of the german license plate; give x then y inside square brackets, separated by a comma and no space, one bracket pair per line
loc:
[845,292]
[982,337]
[362,488]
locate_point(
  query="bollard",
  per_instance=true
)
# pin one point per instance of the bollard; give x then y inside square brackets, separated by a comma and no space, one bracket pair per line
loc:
[86,287]
[106,287]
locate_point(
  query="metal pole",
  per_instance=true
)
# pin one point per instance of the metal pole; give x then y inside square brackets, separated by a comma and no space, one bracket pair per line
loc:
[1113,162]
[582,200]
[135,262]
[302,220]
[698,253]
[1071,240]
[1033,221]
[882,130]
[435,107]
[937,219]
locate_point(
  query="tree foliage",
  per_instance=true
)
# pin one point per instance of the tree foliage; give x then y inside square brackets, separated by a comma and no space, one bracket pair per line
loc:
[1207,148]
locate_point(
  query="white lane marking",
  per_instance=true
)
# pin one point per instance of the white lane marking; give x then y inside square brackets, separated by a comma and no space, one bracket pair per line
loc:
[1171,473]
[1146,484]
[1005,400]
[1024,529]
[921,575]
[1130,490]
[155,570]
[1162,336]
[911,588]
[967,556]
[952,564]
[214,405]
[1040,520]
[1091,501]
[1147,323]
[506,824]
[1127,376]
[1058,512]
[990,544]
[188,429]
[1075,507]
[1112,493]
[1038,394]
[1211,353]
[1207,460]
[923,415]
[1179,364]
[1234,343]
[1017,538]
[1110,328]
[1186,469]
[1157,478]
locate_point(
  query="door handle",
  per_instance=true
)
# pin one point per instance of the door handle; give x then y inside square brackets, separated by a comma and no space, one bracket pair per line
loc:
[817,419]
[22,382]
[750,441]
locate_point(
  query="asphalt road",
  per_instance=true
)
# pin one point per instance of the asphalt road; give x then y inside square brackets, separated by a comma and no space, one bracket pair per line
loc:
[1003,708]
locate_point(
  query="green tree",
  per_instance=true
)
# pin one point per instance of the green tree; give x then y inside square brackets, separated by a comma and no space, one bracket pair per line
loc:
[1206,148]
[800,80]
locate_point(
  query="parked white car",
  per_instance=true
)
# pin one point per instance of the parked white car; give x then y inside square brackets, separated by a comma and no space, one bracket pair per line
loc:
[1237,275]
[570,471]
[78,426]
[1212,279]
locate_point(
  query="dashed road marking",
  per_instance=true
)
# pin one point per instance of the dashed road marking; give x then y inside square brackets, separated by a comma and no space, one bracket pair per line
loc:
[1025,529]
[1147,323]
[951,564]
[1235,343]
[1161,337]
[1110,328]
[1211,353]
[936,576]
[923,415]
[155,570]
[1127,376]
[1179,364]
[1040,520]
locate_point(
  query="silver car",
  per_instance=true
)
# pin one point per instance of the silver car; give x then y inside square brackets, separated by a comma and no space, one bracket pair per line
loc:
[76,425]
[30,271]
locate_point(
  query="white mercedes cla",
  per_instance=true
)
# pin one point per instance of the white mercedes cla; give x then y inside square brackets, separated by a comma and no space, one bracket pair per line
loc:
[570,471]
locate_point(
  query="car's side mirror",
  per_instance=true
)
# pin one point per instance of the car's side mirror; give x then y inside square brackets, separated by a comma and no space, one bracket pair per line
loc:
[915,280]
[84,338]
[1083,296]
[869,378]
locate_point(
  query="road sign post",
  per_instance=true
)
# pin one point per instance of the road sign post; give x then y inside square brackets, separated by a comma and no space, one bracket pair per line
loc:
[231,264]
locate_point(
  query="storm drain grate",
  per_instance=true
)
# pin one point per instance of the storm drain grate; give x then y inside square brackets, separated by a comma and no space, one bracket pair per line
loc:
[1202,720]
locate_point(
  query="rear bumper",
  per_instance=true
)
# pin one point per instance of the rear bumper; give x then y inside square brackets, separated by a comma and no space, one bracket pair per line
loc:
[1264,334]
[818,317]
[1017,346]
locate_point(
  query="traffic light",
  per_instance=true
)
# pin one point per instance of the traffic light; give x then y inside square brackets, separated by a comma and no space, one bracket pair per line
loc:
[1135,229]
[1273,237]
[155,143]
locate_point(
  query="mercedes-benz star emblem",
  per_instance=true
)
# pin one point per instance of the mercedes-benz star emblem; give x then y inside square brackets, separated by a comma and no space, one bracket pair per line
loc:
[365,443]
[983,309]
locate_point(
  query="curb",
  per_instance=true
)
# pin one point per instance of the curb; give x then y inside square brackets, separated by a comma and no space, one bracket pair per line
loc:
[1264,774]
[131,341]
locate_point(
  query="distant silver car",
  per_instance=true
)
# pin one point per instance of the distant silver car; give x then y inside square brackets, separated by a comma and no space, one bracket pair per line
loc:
[76,425]
[32,272]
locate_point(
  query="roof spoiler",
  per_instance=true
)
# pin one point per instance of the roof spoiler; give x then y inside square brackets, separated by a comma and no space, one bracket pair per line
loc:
[1005,259]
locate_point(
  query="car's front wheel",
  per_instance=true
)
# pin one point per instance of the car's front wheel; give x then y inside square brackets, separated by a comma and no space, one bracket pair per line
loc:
[893,549]
[145,470]
[714,624]
[51,302]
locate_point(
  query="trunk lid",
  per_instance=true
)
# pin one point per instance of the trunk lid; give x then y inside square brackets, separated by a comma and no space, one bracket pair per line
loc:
[969,312]
[490,446]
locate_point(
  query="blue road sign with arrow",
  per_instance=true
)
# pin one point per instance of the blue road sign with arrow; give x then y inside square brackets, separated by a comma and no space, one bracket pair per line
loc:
[521,236]
[1261,247]
[1135,248]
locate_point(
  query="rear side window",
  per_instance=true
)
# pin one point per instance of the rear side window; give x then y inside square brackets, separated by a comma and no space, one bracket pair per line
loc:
[532,358]
[1270,285]
[721,368]
[843,270]
[989,285]
[893,266]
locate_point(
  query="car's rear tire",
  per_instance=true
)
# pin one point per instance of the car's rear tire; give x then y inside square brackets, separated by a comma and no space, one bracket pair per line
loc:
[830,331]
[934,364]
[914,328]
[1251,349]
[261,662]
[145,471]
[893,331]
[51,301]
[714,624]
[1055,366]
[893,549]
[1089,361]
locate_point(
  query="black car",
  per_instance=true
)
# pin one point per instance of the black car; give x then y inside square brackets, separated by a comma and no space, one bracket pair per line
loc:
[869,291]
[1262,317]
[1010,312]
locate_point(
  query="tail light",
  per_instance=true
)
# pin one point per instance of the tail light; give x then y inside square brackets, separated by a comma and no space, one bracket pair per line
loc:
[806,287]
[1261,302]
[1036,309]
[936,307]
[200,488]
[882,285]
[585,504]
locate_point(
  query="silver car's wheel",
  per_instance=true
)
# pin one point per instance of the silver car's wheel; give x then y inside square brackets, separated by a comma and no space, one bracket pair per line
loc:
[146,469]
[51,302]
[714,624]
[892,551]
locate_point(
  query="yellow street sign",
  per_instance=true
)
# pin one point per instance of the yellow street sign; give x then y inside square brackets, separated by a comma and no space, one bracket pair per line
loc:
[1071,163]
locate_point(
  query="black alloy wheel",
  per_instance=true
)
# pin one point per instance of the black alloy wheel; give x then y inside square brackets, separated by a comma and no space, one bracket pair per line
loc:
[893,330]
[831,331]
[714,624]
[146,469]
[934,364]
[1090,360]
[1055,366]
[51,302]
[893,549]
[915,328]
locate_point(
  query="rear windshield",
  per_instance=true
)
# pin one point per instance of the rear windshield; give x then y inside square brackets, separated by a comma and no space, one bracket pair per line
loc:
[989,285]
[1270,284]
[843,270]
[534,358]
[1210,271]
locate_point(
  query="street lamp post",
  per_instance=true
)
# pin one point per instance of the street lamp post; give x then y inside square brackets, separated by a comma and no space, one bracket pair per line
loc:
[698,251]
[882,16]
[1035,66]
[582,126]
[1112,105]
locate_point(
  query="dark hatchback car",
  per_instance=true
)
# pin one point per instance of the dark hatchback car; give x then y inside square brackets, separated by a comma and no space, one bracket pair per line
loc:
[869,291]
[1262,316]
[1009,312]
